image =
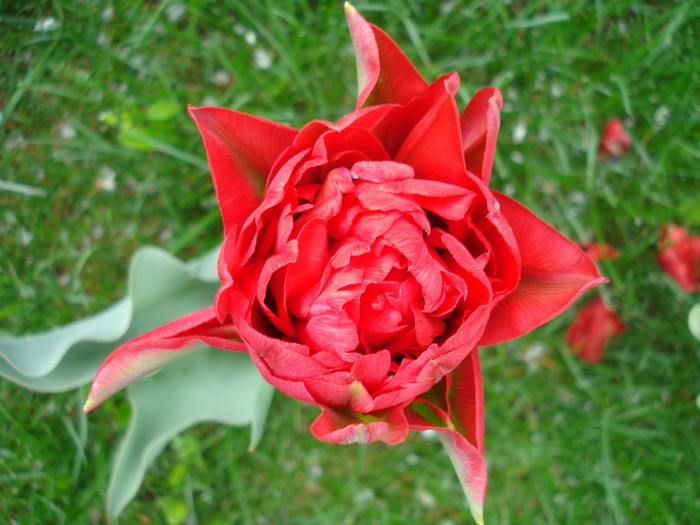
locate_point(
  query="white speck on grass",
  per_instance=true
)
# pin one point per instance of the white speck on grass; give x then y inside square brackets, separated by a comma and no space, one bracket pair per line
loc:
[519,132]
[175,12]
[364,496]
[165,234]
[426,499]
[517,157]
[661,116]
[446,7]
[46,24]
[509,189]
[66,131]
[239,29]
[250,38]
[221,78]
[556,90]
[315,471]
[97,232]
[412,459]
[10,218]
[107,13]
[25,236]
[63,279]
[534,353]
[578,197]
[14,142]
[261,58]
[106,179]
[103,39]
[210,101]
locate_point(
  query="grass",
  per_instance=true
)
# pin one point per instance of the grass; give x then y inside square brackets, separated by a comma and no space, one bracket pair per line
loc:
[105,93]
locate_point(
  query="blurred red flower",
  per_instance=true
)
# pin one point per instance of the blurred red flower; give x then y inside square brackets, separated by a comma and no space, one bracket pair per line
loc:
[598,251]
[615,141]
[590,332]
[678,256]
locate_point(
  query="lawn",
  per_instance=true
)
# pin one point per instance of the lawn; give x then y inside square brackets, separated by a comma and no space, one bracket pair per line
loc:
[99,157]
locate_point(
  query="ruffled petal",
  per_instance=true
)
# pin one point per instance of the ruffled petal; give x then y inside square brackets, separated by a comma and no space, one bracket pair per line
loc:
[241,150]
[555,272]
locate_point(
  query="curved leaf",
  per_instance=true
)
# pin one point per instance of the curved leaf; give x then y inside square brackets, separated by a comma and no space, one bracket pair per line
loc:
[208,385]
[68,356]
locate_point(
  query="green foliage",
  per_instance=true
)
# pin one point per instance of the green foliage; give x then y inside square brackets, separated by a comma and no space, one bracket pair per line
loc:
[566,442]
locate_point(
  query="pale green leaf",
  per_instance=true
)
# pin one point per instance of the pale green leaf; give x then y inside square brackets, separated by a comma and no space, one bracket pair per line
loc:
[694,321]
[207,385]
[161,288]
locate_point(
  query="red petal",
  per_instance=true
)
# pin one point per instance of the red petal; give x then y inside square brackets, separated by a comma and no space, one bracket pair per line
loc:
[555,272]
[433,148]
[614,141]
[461,426]
[155,349]
[339,427]
[466,400]
[241,150]
[384,74]
[679,256]
[480,122]
[470,467]
[590,332]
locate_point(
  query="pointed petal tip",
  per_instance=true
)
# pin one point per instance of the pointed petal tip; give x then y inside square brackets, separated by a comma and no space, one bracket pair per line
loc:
[497,97]
[349,8]
[90,404]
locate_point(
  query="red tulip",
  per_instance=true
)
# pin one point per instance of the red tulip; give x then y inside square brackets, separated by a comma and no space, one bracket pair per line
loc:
[593,327]
[678,256]
[615,141]
[365,260]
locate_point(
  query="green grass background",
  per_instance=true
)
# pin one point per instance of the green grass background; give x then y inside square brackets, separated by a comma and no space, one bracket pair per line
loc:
[105,93]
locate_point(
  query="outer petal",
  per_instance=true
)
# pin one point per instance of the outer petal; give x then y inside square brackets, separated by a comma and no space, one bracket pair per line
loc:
[155,349]
[384,74]
[455,408]
[480,122]
[241,150]
[337,427]
[555,272]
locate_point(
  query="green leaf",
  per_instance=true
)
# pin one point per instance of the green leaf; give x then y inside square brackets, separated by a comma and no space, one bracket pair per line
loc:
[161,288]
[207,385]
[694,321]
[163,109]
